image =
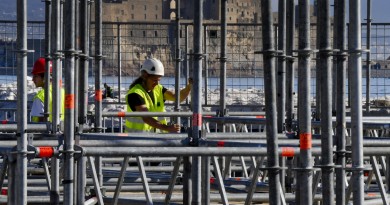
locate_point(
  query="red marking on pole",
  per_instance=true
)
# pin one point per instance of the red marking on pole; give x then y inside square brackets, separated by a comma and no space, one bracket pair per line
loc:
[98,95]
[4,121]
[220,144]
[121,114]
[69,101]
[4,192]
[288,152]
[212,180]
[196,119]
[45,152]
[305,141]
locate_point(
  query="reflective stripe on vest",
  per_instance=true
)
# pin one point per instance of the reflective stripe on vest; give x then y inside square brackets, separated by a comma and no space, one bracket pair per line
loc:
[41,96]
[136,124]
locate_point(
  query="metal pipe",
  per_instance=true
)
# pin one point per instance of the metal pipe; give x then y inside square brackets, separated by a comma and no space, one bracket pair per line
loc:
[178,63]
[270,102]
[304,175]
[57,65]
[83,63]
[69,102]
[47,56]
[340,64]
[281,77]
[98,64]
[196,132]
[327,166]
[21,159]
[290,33]
[119,62]
[355,84]
[193,151]
[222,60]
[368,56]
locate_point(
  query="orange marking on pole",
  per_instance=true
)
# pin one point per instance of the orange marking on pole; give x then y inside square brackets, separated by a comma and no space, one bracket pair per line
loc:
[69,101]
[288,152]
[220,144]
[305,141]
[123,135]
[371,194]
[45,152]
[196,119]
[60,83]
[98,95]
[121,114]
[260,116]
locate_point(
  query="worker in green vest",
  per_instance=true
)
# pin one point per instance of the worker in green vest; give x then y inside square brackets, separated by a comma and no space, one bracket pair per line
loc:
[37,108]
[147,94]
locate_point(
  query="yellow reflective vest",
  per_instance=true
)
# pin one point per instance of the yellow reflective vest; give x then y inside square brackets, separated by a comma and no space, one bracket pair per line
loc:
[136,124]
[41,96]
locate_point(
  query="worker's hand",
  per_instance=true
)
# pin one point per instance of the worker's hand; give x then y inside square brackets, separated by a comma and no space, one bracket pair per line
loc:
[174,128]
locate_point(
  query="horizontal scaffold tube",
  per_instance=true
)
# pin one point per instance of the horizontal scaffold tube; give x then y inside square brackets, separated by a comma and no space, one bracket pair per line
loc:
[208,151]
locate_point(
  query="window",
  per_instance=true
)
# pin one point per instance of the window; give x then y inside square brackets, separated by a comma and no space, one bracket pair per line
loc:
[132,7]
[132,16]
[156,7]
[156,16]
[155,34]
[144,33]
[145,7]
[122,12]
[144,16]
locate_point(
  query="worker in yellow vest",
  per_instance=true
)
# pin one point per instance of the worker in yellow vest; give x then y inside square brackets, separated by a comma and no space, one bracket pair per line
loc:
[37,108]
[147,94]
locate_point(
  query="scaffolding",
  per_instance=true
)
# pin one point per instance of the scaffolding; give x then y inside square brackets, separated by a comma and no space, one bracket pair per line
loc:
[223,157]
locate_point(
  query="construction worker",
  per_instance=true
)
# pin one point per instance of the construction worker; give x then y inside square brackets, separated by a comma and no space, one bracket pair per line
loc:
[37,108]
[107,91]
[146,94]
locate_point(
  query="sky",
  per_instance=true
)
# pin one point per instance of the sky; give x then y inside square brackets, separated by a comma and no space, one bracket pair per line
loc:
[379,9]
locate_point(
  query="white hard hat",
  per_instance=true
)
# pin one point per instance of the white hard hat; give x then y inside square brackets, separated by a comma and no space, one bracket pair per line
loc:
[153,67]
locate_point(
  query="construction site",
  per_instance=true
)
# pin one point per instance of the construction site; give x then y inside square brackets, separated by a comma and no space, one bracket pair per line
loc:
[286,108]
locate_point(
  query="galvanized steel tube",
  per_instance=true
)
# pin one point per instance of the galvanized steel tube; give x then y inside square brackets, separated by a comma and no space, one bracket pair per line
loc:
[270,102]
[340,64]
[21,159]
[281,77]
[196,100]
[290,33]
[304,172]
[325,85]
[355,84]
[68,181]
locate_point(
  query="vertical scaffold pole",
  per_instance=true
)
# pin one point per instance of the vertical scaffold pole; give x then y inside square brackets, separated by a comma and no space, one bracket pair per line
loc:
[196,100]
[368,56]
[178,62]
[270,103]
[340,44]
[47,56]
[281,77]
[304,170]
[290,33]
[325,86]
[21,158]
[69,47]
[355,84]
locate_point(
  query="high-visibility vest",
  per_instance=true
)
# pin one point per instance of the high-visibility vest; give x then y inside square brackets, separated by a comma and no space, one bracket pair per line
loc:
[136,124]
[41,96]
